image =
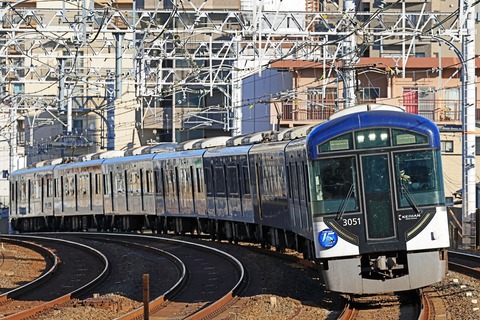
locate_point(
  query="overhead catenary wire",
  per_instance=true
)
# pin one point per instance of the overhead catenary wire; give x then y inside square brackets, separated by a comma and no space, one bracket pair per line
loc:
[167,91]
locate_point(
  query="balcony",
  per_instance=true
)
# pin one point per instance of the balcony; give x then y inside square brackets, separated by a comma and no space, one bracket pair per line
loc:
[306,112]
[438,111]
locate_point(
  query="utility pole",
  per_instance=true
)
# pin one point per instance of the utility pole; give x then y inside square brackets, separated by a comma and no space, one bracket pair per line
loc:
[349,57]
[467,20]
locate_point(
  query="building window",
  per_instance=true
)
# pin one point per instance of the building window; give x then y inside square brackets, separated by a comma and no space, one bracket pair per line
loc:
[368,94]
[74,60]
[452,108]
[420,100]
[18,88]
[77,125]
[446,146]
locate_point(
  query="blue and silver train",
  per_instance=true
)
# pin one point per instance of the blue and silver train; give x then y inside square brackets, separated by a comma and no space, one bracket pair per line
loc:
[361,194]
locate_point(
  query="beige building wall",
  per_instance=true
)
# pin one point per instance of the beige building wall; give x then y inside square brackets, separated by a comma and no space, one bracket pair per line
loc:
[452,161]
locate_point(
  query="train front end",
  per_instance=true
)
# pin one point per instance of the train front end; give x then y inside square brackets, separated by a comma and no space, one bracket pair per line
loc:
[380,222]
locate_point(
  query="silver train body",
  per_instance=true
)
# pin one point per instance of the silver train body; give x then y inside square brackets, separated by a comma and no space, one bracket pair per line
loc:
[361,194]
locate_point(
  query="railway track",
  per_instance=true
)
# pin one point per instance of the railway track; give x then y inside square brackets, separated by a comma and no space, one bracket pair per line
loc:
[405,305]
[463,262]
[429,305]
[202,279]
[182,291]
[71,269]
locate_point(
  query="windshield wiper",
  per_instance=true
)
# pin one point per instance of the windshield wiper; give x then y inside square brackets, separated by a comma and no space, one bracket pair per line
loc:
[343,207]
[410,199]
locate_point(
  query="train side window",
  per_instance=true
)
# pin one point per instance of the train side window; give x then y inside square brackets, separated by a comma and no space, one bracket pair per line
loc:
[135,182]
[119,183]
[175,182]
[239,184]
[157,176]
[289,182]
[29,193]
[83,184]
[42,193]
[65,186]
[246,180]
[191,176]
[127,188]
[209,180]
[307,181]
[162,182]
[90,189]
[301,182]
[142,182]
[112,190]
[97,183]
[294,183]
[73,185]
[36,189]
[90,184]
[55,183]
[128,184]
[106,185]
[48,187]
[183,184]
[23,190]
[199,180]
[148,181]
[219,176]
[232,180]
[169,184]
[259,189]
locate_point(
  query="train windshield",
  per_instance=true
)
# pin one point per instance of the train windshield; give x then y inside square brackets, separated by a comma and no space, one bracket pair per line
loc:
[335,186]
[419,181]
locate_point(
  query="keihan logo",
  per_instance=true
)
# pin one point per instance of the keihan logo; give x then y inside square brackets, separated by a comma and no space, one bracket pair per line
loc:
[327,238]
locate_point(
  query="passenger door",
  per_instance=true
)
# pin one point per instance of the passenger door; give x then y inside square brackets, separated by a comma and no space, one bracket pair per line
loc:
[380,223]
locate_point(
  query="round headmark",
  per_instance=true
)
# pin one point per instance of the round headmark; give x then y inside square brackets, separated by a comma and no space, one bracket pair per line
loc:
[327,238]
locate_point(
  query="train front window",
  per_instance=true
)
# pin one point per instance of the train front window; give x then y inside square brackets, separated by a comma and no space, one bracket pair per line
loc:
[334,187]
[418,179]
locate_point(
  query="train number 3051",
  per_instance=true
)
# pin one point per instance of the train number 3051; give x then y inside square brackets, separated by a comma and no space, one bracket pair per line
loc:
[351,222]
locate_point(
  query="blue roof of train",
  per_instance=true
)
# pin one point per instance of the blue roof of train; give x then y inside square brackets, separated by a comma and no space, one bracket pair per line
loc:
[369,119]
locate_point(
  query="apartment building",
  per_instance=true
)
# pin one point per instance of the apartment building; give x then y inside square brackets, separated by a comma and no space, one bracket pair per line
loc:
[90,76]
[308,98]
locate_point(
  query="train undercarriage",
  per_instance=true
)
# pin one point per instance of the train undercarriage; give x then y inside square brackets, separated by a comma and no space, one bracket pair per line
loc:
[216,230]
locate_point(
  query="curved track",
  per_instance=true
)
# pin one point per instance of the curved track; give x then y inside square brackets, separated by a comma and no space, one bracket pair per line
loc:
[74,269]
[194,280]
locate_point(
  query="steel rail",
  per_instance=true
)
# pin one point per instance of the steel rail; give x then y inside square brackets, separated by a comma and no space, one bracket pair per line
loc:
[203,312]
[29,313]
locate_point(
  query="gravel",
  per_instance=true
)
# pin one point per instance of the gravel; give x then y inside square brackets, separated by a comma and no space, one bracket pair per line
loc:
[26,266]
[460,295]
